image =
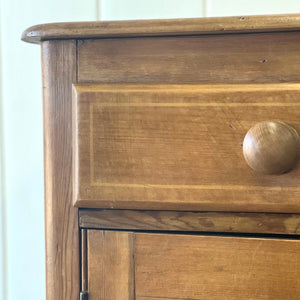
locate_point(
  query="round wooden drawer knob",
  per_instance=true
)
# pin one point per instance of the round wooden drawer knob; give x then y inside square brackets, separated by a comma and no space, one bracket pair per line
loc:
[271,147]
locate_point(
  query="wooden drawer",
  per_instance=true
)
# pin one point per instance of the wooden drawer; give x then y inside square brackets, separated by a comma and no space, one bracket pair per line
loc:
[179,147]
[126,266]
[222,58]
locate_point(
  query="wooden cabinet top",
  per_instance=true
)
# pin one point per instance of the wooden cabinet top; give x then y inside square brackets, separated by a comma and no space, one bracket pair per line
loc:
[171,27]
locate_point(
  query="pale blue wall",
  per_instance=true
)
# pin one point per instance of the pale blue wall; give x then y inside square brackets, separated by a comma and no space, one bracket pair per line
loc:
[248,7]
[154,9]
[22,143]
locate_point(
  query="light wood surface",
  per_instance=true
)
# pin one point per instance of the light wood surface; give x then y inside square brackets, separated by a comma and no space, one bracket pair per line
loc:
[271,147]
[190,221]
[157,298]
[207,267]
[110,265]
[164,266]
[239,58]
[79,30]
[62,236]
[179,147]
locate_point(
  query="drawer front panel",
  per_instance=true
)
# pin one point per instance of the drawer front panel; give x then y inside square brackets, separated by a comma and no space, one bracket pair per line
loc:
[233,58]
[179,147]
[128,265]
[195,267]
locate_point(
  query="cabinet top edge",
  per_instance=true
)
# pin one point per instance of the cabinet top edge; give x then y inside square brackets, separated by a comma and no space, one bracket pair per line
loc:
[165,27]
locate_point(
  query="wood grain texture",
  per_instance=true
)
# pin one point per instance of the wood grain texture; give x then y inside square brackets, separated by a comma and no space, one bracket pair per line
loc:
[213,268]
[146,141]
[62,236]
[239,58]
[110,265]
[190,221]
[157,298]
[134,28]
[179,147]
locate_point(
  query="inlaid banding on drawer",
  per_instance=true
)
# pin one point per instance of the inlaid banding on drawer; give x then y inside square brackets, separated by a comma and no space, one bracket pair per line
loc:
[179,147]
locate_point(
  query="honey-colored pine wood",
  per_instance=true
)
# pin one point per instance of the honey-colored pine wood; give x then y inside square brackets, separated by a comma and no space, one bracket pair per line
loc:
[214,268]
[62,235]
[155,298]
[79,30]
[239,58]
[110,265]
[179,147]
[190,221]
[263,49]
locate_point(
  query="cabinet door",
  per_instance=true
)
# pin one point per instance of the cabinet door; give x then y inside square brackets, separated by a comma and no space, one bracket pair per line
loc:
[144,266]
[110,265]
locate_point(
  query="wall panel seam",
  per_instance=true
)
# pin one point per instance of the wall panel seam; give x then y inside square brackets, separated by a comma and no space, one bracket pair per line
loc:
[204,7]
[3,267]
[98,10]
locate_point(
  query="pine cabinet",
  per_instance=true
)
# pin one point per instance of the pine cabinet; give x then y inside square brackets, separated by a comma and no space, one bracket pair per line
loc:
[152,190]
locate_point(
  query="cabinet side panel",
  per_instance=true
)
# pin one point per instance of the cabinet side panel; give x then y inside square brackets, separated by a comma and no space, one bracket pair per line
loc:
[62,237]
[110,265]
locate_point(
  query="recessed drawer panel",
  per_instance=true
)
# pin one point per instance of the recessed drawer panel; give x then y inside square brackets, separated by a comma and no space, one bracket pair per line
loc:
[195,267]
[179,147]
[127,265]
